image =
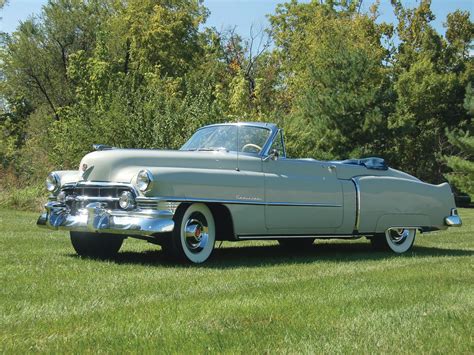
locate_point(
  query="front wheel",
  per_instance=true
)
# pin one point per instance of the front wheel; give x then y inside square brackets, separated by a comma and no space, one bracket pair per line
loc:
[96,245]
[194,235]
[398,240]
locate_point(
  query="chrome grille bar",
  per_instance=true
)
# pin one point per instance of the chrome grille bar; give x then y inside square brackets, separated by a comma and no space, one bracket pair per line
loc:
[78,195]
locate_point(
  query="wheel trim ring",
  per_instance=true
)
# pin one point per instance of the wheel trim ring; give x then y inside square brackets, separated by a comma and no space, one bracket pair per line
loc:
[196,235]
[203,213]
[398,236]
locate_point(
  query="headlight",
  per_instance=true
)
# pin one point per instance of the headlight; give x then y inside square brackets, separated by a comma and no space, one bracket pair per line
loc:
[126,200]
[52,182]
[144,180]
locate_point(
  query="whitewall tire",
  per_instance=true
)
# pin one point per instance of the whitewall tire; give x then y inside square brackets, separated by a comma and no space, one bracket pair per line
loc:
[397,240]
[194,234]
[400,240]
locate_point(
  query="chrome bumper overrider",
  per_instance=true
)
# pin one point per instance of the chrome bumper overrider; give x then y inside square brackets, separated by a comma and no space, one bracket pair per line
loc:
[453,220]
[95,217]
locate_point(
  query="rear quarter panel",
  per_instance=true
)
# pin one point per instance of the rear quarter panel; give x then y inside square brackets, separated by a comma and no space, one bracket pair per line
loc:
[396,202]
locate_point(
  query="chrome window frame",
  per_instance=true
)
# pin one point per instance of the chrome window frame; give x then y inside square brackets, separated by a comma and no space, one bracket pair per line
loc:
[269,126]
[268,145]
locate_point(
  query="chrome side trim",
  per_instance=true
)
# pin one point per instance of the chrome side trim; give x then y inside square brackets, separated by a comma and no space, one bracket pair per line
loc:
[357,188]
[234,202]
[144,213]
[139,198]
[316,236]
[301,204]
[244,237]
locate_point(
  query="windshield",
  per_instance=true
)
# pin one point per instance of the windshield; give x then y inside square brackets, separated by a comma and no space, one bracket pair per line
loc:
[234,138]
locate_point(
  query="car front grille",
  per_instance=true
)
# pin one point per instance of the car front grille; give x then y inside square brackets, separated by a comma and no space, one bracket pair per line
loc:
[77,196]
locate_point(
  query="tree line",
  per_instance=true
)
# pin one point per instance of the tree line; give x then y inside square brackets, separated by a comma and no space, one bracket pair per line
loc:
[148,73]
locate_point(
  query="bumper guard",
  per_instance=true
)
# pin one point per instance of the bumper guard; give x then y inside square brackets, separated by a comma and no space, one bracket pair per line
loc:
[453,220]
[95,217]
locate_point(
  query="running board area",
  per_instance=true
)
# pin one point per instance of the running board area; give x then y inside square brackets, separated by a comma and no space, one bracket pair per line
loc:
[336,236]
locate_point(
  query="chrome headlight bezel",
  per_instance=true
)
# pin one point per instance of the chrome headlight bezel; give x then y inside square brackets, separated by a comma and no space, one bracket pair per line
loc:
[126,200]
[144,180]
[53,182]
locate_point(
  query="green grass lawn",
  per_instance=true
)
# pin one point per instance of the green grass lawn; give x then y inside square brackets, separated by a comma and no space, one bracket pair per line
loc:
[251,297]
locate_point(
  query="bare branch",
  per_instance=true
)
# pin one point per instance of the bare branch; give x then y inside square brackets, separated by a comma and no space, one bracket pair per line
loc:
[43,91]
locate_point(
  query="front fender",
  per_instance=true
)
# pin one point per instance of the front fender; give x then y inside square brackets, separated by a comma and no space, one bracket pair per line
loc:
[68,176]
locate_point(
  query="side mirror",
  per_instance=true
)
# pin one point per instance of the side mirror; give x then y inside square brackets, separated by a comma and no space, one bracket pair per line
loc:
[273,155]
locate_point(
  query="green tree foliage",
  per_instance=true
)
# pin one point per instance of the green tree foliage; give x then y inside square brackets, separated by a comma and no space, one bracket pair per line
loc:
[462,164]
[106,71]
[430,73]
[332,59]
[462,175]
[147,73]
[36,56]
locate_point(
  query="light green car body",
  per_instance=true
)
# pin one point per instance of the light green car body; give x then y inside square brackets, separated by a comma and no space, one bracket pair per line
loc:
[260,196]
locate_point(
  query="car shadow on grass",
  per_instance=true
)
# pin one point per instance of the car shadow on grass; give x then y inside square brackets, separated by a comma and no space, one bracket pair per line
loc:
[337,252]
[257,256]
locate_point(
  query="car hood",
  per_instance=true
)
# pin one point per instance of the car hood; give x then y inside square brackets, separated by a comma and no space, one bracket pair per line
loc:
[122,165]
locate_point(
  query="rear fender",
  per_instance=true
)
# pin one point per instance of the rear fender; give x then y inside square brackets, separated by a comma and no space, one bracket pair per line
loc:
[391,202]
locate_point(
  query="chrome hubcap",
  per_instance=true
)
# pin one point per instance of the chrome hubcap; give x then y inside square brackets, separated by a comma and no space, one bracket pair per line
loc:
[196,233]
[398,236]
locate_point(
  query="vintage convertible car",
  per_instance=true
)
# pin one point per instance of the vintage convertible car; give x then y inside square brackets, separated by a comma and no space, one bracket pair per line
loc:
[234,182]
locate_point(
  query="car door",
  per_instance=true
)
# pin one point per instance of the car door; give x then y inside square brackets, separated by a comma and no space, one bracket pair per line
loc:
[301,196]
[244,185]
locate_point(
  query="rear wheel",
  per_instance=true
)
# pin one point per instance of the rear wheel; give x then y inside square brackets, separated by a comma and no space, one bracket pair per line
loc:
[96,245]
[398,240]
[296,243]
[194,235]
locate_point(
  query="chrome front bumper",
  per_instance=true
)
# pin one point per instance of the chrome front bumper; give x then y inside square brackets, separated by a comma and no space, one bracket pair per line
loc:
[95,217]
[453,220]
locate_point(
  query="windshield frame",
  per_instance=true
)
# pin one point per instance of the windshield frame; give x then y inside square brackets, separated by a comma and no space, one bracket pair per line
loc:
[268,126]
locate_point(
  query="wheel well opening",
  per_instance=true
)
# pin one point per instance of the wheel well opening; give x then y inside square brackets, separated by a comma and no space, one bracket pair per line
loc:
[223,220]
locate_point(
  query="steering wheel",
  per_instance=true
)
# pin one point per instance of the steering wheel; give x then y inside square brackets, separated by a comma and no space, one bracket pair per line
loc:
[250,145]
